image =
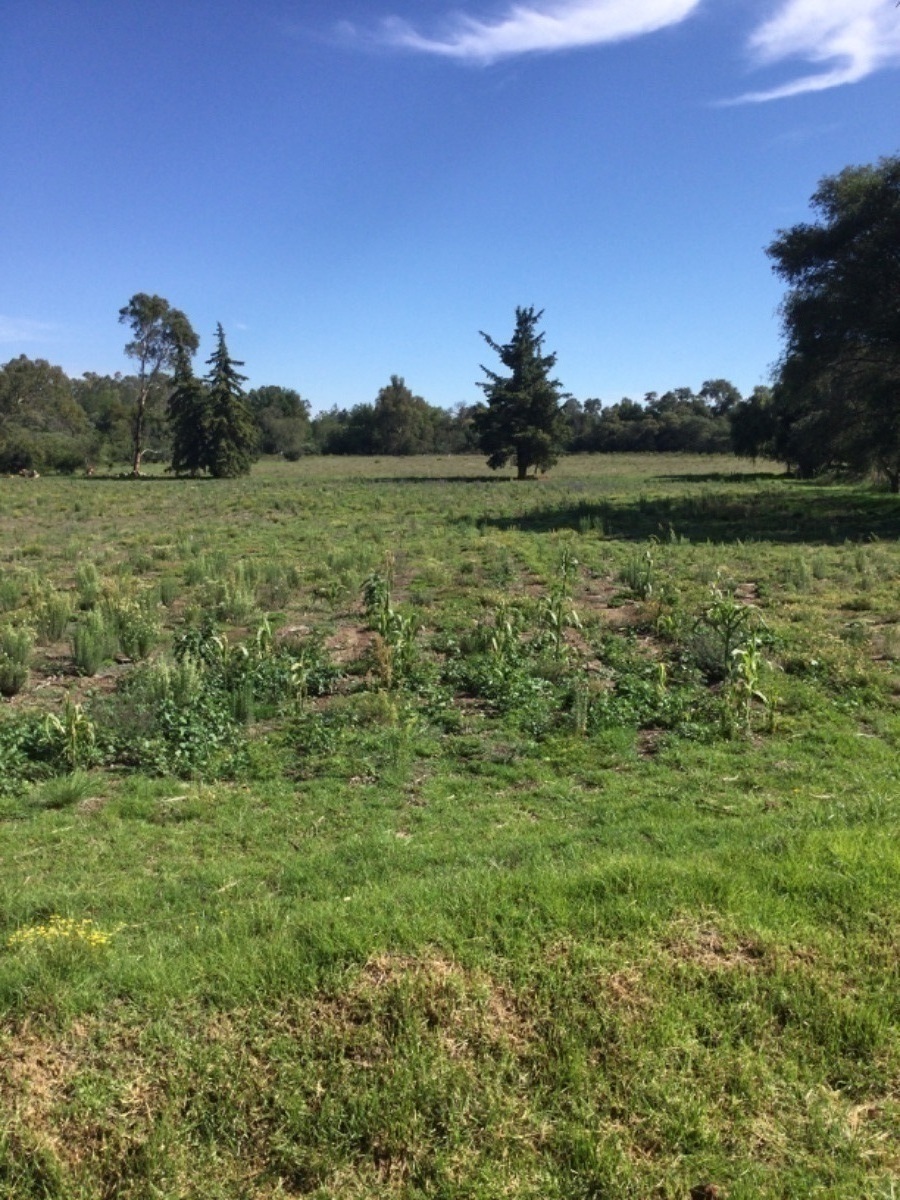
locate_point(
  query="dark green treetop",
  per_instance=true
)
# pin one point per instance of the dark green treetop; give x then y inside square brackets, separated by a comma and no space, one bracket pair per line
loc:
[523,420]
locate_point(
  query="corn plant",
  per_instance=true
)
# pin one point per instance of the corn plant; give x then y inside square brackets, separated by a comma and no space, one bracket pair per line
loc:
[394,651]
[556,611]
[73,735]
[743,686]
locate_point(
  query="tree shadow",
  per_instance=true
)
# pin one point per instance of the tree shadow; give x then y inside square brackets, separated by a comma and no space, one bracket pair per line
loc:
[723,477]
[137,480]
[792,514]
[419,479]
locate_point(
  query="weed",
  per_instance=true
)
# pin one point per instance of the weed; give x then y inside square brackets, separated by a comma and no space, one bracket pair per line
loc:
[16,646]
[639,574]
[61,930]
[93,642]
[88,585]
[52,616]
[64,791]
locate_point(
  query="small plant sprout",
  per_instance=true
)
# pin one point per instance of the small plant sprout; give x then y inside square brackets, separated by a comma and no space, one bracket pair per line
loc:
[747,665]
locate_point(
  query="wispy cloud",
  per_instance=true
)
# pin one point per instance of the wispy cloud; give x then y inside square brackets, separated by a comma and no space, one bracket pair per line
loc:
[544,25]
[17,329]
[843,40]
[849,38]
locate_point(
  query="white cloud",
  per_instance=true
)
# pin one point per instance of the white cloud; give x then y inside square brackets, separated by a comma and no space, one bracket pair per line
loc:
[849,38]
[844,40]
[544,25]
[15,329]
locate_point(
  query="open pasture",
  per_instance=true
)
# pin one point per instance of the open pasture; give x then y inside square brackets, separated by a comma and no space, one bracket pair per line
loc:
[384,828]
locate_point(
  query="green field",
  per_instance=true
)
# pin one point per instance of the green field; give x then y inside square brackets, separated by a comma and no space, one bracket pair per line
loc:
[383,828]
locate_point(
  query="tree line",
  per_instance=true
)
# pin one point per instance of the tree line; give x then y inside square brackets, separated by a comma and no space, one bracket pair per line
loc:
[833,407]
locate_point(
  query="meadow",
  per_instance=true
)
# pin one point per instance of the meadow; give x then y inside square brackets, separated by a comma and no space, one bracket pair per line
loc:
[385,828]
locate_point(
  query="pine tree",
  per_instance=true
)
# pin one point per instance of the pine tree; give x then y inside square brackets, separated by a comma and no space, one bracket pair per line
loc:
[189,420]
[522,420]
[231,430]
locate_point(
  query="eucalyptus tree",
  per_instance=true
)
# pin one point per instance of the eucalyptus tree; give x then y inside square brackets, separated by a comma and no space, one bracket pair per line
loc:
[161,335]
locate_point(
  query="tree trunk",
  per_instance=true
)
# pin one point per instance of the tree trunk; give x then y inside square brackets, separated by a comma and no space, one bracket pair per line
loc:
[894,481]
[521,468]
[138,427]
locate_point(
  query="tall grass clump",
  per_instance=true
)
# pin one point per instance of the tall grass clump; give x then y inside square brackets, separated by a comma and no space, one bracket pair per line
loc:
[639,574]
[94,642]
[88,585]
[16,646]
[52,616]
[12,592]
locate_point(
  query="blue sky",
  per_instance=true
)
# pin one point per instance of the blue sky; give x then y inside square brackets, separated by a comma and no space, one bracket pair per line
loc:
[355,188]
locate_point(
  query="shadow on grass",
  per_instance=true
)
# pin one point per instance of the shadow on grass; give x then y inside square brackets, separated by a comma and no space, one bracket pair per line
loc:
[127,477]
[723,477]
[381,479]
[787,513]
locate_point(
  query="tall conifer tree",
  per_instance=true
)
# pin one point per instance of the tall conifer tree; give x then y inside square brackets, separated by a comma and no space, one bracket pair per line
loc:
[188,414]
[522,421]
[231,430]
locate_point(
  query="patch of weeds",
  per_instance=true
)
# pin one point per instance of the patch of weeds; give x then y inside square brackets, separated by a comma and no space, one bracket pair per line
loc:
[25,755]
[135,623]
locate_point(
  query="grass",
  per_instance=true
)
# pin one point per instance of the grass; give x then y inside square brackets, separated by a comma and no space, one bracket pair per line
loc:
[521,915]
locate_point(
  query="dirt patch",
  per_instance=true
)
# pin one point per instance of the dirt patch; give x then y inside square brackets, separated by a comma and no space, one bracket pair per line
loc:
[707,947]
[349,644]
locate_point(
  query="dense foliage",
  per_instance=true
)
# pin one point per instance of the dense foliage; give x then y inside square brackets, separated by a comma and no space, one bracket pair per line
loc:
[835,403]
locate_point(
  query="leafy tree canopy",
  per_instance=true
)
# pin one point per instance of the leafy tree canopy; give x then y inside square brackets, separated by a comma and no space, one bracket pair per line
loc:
[161,336]
[836,399]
